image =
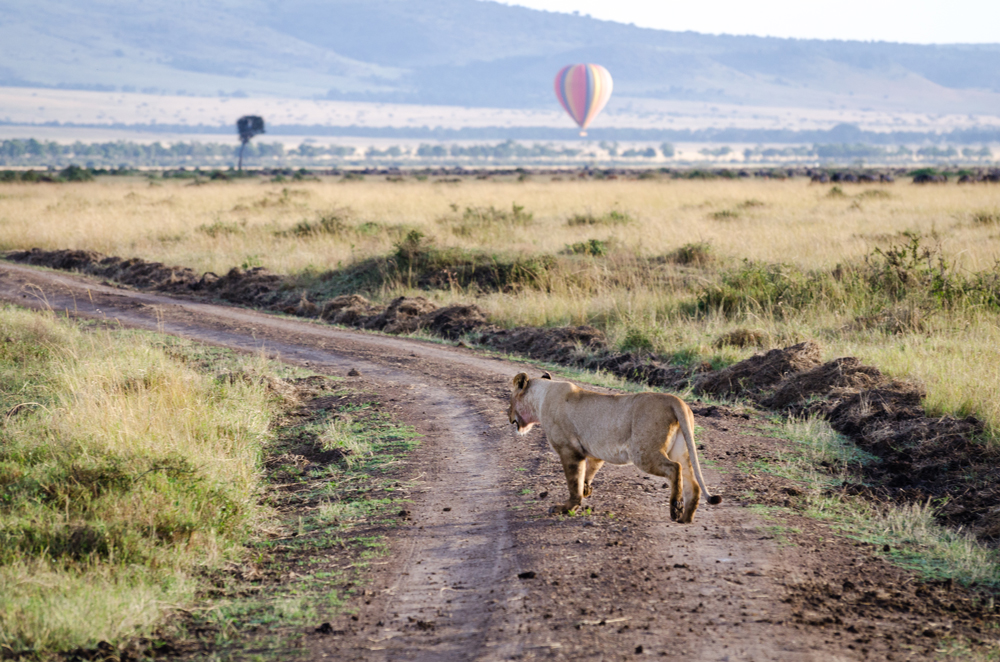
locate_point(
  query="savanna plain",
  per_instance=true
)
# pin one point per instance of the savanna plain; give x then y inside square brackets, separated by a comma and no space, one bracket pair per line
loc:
[905,277]
[701,273]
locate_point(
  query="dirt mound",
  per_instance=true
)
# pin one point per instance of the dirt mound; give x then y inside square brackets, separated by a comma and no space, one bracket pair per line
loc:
[133,271]
[642,369]
[794,392]
[752,377]
[347,309]
[67,260]
[570,345]
[453,322]
[860,413]
[256,286]
[403,315]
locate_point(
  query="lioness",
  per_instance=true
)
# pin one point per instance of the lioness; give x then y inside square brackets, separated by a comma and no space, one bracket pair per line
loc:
[587,429]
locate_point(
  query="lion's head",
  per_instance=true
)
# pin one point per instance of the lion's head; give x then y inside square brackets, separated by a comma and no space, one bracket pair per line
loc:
[521,412]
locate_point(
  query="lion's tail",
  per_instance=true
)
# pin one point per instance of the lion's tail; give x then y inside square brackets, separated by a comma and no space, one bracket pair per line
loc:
[686,419]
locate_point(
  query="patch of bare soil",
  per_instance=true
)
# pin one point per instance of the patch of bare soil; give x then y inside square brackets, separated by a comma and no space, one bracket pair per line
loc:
[922,456]
[480,570]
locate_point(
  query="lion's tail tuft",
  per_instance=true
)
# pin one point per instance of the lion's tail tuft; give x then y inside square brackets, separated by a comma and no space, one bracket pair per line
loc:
[714,499]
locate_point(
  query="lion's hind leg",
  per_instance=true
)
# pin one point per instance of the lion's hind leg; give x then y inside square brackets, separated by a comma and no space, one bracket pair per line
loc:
[658,464]
[593,466]
[692,493]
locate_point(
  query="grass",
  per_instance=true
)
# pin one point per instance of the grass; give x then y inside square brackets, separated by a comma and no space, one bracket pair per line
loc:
[334,526]
[916,541]
[123,473]
[792,262]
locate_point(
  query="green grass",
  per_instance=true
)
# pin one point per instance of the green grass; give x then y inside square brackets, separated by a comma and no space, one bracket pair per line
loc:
[916,541]
[337,519]
[123,471]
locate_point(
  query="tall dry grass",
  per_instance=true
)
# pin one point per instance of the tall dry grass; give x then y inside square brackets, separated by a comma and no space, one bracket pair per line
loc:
[642,288]
[123,471]
[772,221]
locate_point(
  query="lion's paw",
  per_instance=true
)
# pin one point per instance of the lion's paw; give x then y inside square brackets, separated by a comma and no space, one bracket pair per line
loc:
[563,509]
[676,509]
[587,491]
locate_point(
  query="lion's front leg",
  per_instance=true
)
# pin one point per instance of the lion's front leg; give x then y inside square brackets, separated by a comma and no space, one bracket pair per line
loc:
[593,466]
[574,468]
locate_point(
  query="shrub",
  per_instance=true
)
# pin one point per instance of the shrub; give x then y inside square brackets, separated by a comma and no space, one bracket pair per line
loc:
[774,289]
[875,194]
[695,254]
[74,173]
[595,247]
[417,261]
[636,340]
[332,223]
[219,228]
[986,217]
[489,220]
[613,217]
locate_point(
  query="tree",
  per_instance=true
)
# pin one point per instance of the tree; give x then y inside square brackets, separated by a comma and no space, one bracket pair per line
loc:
[248,127]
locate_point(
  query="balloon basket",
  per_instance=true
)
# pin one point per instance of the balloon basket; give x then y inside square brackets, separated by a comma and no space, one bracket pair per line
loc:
[583,133]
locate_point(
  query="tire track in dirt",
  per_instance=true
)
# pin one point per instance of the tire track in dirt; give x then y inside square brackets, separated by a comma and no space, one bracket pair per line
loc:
[708,591]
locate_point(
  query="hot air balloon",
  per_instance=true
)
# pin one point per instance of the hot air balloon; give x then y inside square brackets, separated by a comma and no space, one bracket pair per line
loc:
[583,90]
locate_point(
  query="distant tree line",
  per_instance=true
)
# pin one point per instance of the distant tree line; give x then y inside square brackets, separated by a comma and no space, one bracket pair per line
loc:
[33,152]
[845,151]
[48,154]
[503,151]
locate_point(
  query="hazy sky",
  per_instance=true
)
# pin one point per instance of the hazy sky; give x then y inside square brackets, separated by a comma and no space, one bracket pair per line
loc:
[912,21]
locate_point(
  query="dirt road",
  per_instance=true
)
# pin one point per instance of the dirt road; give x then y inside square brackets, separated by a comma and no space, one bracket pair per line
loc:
[624,582]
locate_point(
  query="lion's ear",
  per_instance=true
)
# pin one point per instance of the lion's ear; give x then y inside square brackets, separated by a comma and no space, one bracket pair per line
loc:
[520,381]
[546,375]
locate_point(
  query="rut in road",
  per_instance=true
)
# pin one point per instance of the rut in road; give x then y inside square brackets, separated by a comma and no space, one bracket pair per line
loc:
[453,592]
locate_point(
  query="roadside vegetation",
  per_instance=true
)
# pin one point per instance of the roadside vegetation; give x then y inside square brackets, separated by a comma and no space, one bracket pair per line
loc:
[124,474]
[822,462]
[902,276]
[156,493]
[333,476]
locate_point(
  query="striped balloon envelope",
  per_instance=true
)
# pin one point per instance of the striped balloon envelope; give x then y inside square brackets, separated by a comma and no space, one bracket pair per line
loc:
[583,90]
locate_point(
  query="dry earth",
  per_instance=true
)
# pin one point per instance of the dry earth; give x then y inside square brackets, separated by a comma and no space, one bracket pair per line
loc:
[481,571]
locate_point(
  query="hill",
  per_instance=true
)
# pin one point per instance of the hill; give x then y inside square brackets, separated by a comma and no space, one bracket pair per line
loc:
[461,52]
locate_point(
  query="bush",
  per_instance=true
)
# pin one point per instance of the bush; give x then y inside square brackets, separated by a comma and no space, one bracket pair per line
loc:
[636,340]
[75,173]
[595,247]
[332,223]
[613,217]
[489,220]
[417,261]
[773,289]
[695,254]
[986,217]
[219,228]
